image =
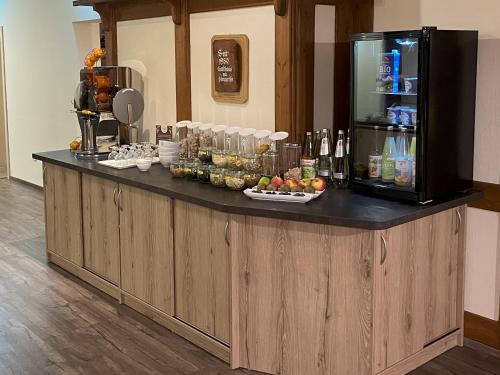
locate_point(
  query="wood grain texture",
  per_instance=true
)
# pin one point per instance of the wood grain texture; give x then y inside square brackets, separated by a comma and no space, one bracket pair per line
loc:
[461,216]
[146,240]
[491,199]
[63,213]
[398,297]
[437,240]
[202,289]
[101,238]
[304,297]
[200,6]
[191,334]
[87,276]
[424,356]
[183,65]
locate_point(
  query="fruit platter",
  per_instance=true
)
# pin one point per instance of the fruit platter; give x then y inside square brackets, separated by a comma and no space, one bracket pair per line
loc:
[294,191]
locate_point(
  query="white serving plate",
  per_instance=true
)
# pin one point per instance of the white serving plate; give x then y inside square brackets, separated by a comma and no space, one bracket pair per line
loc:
[128,163]
[281,198]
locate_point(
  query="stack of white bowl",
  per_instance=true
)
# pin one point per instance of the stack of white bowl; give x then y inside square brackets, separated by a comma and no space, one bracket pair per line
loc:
[168,153]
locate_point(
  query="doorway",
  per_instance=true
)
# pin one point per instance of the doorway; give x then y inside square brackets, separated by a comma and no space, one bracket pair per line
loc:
[4,148]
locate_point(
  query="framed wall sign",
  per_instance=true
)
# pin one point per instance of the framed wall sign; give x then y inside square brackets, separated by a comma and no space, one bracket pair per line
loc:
[230,68]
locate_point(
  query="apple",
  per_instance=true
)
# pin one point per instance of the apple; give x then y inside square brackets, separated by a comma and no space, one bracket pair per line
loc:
[264,181]
[277,181]
[319,184]
[292,183]
[305,182]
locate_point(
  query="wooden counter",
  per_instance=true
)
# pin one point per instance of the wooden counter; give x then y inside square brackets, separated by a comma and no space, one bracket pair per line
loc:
[272,294]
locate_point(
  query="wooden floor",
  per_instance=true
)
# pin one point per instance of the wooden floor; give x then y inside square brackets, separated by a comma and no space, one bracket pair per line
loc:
[52,323]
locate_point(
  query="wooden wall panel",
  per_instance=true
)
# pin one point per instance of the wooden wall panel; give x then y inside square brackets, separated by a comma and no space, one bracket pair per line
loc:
[183,65]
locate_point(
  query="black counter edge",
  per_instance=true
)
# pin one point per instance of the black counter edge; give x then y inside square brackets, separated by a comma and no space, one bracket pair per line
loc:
[256,212]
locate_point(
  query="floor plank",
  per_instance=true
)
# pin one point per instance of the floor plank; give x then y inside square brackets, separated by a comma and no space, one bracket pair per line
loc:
[53,323]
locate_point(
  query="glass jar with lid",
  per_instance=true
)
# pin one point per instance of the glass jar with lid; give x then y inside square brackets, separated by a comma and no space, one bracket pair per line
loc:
[206,140]
[292,153]
[206,135]
[217,177]
[177,169]
[232,148]
[193,137]
[191,169]
[250,161]
[262,141]
[181,132]
[280,138]
[218,146]
[204,173]
[271,161]
[235,180]
[251,179]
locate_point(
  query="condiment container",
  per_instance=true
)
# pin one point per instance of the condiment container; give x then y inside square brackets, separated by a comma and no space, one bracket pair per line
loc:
[204,173]
[205,155]
[262,141]
[291,161]
[279,139]
[217,177]
[247,141]
[235,180]
[191,169]
[252,163]
[206,136]
[251,179]
[232,148]
[271,162]
[181,132]
[193,139]
[177,169]
[218,146]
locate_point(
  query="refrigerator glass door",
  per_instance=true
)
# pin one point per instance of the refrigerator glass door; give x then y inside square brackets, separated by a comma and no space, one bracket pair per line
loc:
[385,112]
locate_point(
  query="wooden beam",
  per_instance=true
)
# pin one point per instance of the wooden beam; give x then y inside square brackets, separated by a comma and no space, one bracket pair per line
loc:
[280,7]
[183,64]
[491,199]
[176,11]
[199,6]
[108,28]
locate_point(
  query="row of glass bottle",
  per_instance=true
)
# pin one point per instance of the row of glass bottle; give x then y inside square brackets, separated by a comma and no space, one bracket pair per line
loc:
[234,148]
[396,163]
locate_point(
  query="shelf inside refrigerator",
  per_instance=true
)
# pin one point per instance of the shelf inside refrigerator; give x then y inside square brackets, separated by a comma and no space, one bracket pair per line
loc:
[402,93]
[383,125]
[384,185]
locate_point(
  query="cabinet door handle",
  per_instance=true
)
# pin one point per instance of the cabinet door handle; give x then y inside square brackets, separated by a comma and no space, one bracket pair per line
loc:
[384,250]
[114,196]
[459,221]
[118,199]
[226,233]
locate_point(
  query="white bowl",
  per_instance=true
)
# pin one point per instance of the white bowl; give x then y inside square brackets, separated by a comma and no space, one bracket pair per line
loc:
[167,144]
[144,164]
[176,154]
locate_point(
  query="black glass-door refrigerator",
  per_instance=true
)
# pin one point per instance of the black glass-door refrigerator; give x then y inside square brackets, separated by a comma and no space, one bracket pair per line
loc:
[412,113]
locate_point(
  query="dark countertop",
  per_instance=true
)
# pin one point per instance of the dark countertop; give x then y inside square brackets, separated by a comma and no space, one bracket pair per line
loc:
[334,207]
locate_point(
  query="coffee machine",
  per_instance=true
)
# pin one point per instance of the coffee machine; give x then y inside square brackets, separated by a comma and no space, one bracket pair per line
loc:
[94,107]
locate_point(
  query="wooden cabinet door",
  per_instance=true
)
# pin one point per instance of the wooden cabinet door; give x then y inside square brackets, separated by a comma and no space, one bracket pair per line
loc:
[438,240]
[63,212]
[146,240]
[202,269]
[101,228]
[398,296]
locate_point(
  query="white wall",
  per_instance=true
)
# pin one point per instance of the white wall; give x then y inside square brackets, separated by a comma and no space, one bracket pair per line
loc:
[42,64]
[259,25]
[483,247]
[148,46]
